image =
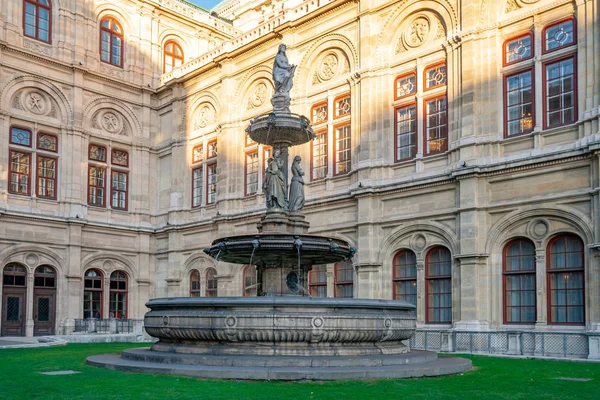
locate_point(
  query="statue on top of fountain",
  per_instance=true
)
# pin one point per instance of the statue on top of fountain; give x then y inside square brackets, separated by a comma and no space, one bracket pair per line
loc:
[283,75]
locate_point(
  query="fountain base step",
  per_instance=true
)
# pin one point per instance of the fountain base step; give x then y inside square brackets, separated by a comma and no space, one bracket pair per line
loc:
[410,365]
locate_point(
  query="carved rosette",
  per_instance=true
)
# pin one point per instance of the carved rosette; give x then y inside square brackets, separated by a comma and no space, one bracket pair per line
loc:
[109,121]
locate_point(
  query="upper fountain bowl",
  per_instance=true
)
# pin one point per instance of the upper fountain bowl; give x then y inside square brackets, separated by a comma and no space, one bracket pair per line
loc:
[280,249]
[280,127]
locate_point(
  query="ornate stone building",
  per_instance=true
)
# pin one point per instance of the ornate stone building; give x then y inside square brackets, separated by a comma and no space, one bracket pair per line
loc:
[457,148]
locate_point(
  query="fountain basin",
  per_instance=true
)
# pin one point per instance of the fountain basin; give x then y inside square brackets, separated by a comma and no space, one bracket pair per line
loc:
[278,127]
[298,326]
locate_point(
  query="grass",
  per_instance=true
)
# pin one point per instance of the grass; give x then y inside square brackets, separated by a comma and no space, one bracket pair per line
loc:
[491,378]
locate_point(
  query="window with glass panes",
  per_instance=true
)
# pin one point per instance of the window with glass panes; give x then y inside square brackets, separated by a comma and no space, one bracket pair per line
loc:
[173,56]
[343,149]
[23,153]
[319,163]
[14,274]
[519,282]
[559,34]
[118,295]
[195,286]
[317,281]
[560,91]
[37,19]
[405,276]
[406,132]
[518,49]
[117,174]
[565,280]
[519,110]
[250,283]
[344,279]
[44,277]
[251,178]
[438,285]
[211,183]
[211,283]
[111,42]
[92,294]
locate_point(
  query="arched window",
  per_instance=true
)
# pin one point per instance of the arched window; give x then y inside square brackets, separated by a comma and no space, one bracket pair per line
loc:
[111,42]
[405,276]
[317,281]
[92,294]
[45,277]
[344,279]
[195,283]
[118,295]
[250,280]
[211,282]
[519,282]
[37,19]
[565,280]
[438,276]
[173,56]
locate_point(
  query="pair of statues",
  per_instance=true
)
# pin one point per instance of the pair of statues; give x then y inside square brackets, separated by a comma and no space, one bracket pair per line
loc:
[275,185]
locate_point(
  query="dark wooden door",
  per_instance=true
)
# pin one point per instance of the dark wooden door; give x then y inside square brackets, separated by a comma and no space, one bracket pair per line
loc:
[44,313]
[13,312]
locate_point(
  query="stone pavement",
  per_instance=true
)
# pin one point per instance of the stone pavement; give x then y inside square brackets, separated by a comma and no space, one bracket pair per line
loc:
[19,342]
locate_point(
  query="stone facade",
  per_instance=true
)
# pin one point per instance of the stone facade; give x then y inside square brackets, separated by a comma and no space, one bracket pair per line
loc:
[471,193]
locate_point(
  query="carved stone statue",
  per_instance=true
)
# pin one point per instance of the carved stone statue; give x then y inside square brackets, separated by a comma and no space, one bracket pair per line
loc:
[297,186]
[274,184]
[283,75]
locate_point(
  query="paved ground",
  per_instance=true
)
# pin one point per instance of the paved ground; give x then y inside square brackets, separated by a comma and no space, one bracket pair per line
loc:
[10,342]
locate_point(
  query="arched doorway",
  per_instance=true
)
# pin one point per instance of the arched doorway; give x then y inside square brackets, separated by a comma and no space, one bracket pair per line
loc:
[44,300]
[14,300]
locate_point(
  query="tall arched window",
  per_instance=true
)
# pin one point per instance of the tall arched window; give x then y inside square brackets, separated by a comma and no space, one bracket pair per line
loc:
[519,281]
[250,280]
[405,276]
[118,295]
[111,42]
[92,294]
[37,19]
[211,282]
[344,279]
[438,276]
[173,56]
[565,280]
[195,283]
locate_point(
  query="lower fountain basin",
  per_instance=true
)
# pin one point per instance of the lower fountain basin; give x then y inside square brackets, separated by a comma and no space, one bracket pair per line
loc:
[298,326]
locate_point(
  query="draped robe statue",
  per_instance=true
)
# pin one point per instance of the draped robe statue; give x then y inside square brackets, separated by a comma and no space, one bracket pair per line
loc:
[274,183]
[283,73]
[297,186]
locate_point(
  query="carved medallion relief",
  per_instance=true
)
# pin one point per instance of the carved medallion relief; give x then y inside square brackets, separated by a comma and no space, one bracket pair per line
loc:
[259,94]
[330,64]
[34,101]
[109,121]
[418,30]
[205,115]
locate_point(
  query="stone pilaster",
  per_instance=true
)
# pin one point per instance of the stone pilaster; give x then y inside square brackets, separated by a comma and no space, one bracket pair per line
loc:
[367,280]
[29,305]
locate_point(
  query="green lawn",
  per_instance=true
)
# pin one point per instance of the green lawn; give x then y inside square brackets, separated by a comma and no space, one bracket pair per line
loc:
[492,378]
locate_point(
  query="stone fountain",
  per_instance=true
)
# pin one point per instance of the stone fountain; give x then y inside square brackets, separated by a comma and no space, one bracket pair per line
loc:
[283,333]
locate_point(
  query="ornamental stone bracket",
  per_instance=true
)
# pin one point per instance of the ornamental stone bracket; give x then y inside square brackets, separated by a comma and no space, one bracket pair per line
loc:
[367,267]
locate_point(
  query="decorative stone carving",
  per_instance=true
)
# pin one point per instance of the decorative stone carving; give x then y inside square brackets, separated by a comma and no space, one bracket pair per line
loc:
[418,31]
[36,103]
[258,96]
[17,101]
[31,259]
[328,68]
[297,186]
[205,116]
[418,242]
[283,79]
[538,229]
[37,47]
[111,122]
[513,5]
